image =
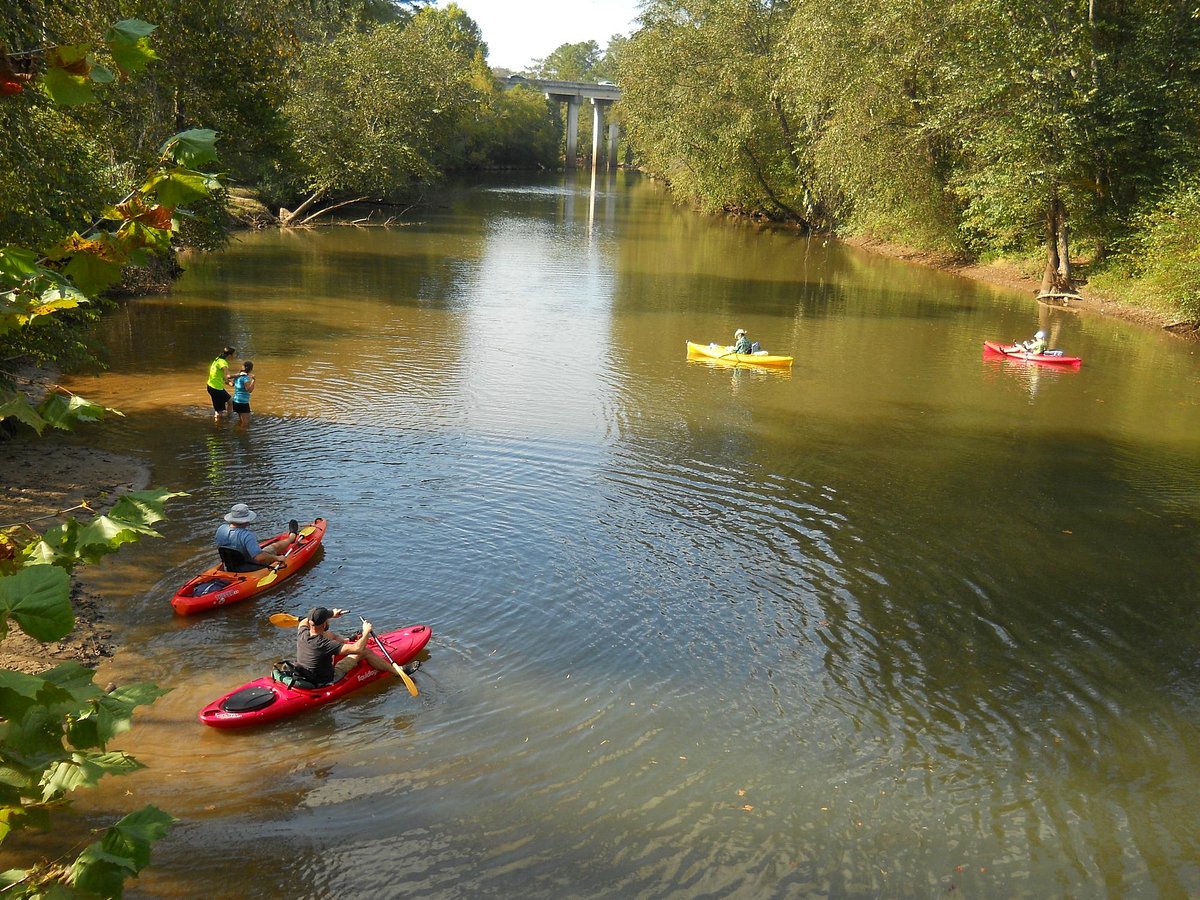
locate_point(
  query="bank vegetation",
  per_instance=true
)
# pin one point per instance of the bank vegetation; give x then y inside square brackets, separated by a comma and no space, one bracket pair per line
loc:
[1066,131]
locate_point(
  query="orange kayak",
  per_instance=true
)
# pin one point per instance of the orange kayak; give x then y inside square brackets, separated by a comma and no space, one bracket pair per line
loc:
[215,587]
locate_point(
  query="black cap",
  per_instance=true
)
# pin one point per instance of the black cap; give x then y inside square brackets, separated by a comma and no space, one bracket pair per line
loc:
[319,615]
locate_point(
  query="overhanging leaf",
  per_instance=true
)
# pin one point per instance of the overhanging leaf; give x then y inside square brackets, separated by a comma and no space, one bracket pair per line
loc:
[66,89]
[13,405]
[39,599]
[85,770]
[192,148]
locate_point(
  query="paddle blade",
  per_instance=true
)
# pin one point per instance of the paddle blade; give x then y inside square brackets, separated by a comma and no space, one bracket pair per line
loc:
[283,620]
[269,578]
[408,682]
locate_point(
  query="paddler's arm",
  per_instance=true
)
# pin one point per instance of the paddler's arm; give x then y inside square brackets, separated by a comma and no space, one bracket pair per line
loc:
[359,645]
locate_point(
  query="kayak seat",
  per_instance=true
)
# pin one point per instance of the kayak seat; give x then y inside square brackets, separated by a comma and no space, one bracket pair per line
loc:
[286,673]
[235,560]
[249,700]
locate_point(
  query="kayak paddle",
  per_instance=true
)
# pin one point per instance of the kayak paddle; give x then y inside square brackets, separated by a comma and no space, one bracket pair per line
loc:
[284,620]
[408,682]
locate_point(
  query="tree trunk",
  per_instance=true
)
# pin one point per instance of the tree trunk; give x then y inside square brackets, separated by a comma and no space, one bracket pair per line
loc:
[1057,276]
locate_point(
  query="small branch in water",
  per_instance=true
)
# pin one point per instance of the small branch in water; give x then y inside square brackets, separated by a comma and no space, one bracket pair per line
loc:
[321,212]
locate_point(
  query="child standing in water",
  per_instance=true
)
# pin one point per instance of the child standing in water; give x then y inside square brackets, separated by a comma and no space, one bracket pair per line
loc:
[243,386]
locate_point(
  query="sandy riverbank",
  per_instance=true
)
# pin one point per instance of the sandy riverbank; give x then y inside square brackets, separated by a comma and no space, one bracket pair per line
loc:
[41,477]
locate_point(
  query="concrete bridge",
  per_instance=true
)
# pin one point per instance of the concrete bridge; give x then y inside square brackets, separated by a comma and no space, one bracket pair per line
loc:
[573,93]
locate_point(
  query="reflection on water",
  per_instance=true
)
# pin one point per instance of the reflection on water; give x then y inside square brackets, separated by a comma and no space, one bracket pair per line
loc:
[897,621]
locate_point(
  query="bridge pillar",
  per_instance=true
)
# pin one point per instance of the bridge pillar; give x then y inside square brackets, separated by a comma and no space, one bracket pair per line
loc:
[572,131]
[614,131]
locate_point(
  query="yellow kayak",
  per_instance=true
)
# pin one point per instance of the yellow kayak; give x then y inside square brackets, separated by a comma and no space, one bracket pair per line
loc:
[725,354]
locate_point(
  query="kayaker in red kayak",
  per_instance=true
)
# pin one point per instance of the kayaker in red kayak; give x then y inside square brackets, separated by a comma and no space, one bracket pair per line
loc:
[316,647]
[239,549]
[1037,345]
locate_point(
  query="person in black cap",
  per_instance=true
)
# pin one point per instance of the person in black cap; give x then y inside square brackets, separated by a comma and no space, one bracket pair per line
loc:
[316,646]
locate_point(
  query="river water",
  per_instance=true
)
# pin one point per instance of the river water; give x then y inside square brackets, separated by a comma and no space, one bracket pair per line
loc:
[901,621]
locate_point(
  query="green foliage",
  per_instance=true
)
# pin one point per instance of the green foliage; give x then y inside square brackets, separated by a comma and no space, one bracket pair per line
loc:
[1162,255]
[123,851]
[701,105]
[977,126]
[515,128]
[55,727]
[570,62]
[372,113]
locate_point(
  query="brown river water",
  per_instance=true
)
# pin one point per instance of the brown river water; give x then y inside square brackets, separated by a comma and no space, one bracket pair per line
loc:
[901,621]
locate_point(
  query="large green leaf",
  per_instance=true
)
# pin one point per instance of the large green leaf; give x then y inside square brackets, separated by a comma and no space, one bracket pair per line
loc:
[92,273]
[13,405]
[66,412]
[66,89]
[123,851]
[146,507]
[39,599]
[18,692]
[128,44]
[176,187]
[17,264]
[108,715]
[191,149]
[85,770]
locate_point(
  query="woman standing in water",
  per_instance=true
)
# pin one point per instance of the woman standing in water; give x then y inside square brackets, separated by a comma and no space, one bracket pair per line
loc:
[218,378]
[243,386]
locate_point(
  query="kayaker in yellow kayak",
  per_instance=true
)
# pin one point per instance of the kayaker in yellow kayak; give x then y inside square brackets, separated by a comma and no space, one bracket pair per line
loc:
[316,647]
[239,549]
[741,342]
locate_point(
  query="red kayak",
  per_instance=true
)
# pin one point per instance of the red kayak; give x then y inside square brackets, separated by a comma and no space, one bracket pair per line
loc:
[216,587]
[268,700]
[1016,351]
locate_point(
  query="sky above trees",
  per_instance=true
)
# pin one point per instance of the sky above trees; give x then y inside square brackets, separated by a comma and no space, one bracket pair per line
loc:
[519,31]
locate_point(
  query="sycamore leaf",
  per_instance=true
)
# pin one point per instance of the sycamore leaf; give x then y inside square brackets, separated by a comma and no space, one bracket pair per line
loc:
[128,45]
[146,507]
[13,405]
[192,148]
[85,770]
[72,58]
[91,273]
[39,599]
[101,869]
[175,187]
[108,715]
[17,264]
[65,412]
[66,89]
[102,74]
[18,692]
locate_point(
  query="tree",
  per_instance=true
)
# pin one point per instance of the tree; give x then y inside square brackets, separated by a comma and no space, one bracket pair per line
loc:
[569,62]
[700,102]
[372,113]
